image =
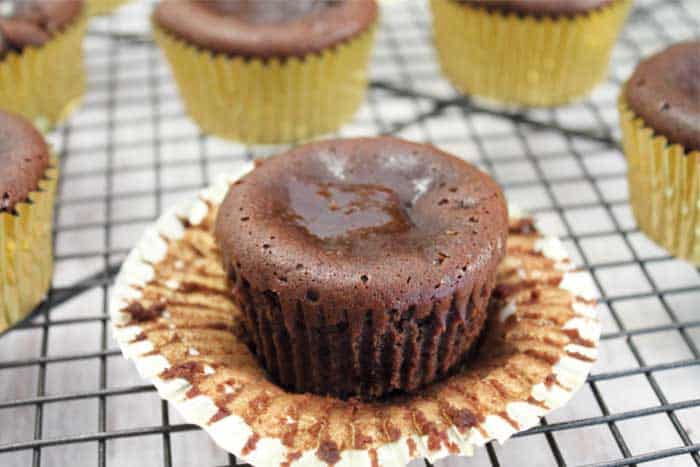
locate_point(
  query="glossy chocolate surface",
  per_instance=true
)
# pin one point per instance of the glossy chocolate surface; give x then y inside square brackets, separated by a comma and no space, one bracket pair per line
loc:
[332,211]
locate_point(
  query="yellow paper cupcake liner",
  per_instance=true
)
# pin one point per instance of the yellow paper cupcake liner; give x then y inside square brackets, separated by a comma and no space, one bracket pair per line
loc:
[664,186]
[273,100]
[26,256]
[47,82]
[525,60]
[101,7]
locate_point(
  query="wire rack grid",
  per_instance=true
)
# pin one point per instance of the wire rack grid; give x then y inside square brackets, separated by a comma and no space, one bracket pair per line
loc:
[67,397]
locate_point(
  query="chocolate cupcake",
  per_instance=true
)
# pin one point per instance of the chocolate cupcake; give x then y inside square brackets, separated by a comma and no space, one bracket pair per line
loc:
[268,72]
[27,183]
[660,119]
[363,266]
[527,52]
[103,7]
[41,60]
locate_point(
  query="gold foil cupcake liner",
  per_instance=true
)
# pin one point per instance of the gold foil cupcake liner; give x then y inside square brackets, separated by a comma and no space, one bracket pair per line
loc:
[172,316]
[273,100]
[102,7]
[26,257]
[525,60]
[664,186]
[46,82]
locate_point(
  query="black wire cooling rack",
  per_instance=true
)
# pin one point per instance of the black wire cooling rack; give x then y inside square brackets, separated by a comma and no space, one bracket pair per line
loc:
[67,397]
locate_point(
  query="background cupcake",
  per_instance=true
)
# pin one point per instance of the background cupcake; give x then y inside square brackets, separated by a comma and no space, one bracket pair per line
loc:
[534,53]
[27,184]
[268,72]
[41,58]
[660,119]
[101,7]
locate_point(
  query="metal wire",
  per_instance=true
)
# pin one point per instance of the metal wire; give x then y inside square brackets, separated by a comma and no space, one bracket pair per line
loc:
[426,107]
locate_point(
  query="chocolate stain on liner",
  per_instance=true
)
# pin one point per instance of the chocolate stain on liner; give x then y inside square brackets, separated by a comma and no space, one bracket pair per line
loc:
[188,287]
[580,356]
[549,359]
[436,437]
[173,302]
[222,402]
[139,337]
[504,415]
[219,415]
[291,457]
[257,406]
[532,401]
[411,447]
[250,444]
[189,370]
[373,457]
[550,380]
[464,416]
[575,338]
[463,419]
[290,434]
[361,441]
[328,452]
[140,314]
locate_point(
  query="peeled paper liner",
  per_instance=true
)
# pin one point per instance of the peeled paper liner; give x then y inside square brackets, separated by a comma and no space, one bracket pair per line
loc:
[273,100]
[46,83]
[26,257]
[664,185]
[525,59]
[172,317]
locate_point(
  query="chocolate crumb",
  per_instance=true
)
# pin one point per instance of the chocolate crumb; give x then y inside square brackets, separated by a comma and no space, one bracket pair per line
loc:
[190,371]
[139,313]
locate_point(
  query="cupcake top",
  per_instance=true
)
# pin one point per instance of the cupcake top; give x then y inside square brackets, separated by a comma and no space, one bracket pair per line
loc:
[367,223]
[542,7]
[264,29]
[24,157]
[25,23]
[664,91]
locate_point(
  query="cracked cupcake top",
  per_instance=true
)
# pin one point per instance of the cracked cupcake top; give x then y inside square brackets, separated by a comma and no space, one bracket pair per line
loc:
[365,223]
